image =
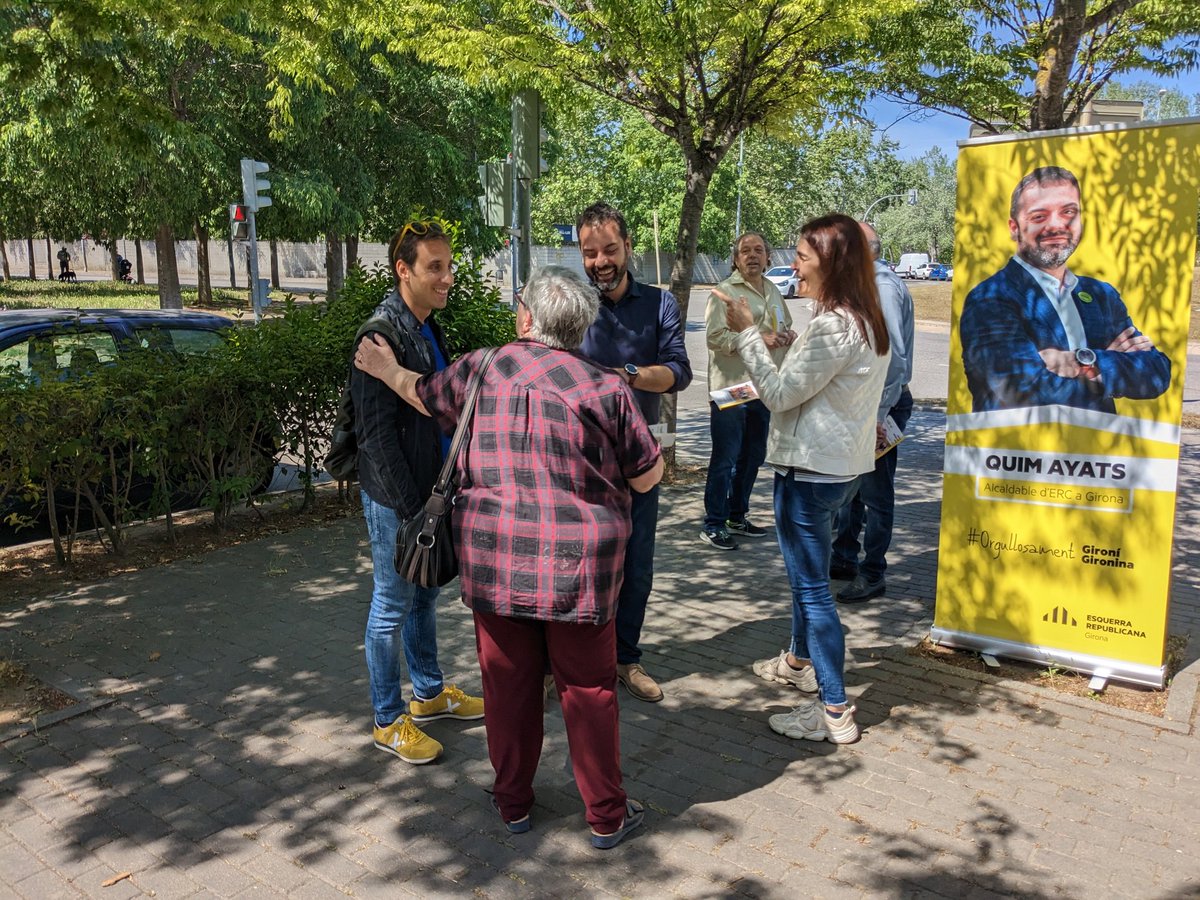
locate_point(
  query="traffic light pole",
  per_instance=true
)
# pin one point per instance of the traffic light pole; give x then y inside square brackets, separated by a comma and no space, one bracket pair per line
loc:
[252,250]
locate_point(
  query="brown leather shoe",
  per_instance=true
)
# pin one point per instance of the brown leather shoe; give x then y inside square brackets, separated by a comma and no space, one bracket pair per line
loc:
[638,683]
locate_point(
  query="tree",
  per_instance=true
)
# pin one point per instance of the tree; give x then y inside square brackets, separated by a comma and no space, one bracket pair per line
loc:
[1032,65]
[700,74]
[927,226]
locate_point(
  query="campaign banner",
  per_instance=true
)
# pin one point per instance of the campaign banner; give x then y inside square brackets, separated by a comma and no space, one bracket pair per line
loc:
[1073,270]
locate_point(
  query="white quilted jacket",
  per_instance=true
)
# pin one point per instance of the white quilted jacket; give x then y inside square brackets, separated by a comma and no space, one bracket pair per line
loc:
[823,397]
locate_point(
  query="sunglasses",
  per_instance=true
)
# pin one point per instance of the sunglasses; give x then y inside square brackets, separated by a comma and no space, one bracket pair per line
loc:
[420,229]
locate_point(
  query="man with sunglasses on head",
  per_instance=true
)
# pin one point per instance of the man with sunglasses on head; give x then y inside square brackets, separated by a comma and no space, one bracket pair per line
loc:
[639,334]
[400,453]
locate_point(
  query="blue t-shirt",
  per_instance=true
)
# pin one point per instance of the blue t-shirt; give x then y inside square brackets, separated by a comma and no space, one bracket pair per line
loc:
[439,363]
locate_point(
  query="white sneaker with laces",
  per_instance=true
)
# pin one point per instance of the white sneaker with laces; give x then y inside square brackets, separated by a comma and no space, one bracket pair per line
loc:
[811,721]
[778,670]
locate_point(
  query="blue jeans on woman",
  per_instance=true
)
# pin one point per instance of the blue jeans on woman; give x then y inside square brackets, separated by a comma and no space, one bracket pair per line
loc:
[804,515]
[402,614]
[739,446]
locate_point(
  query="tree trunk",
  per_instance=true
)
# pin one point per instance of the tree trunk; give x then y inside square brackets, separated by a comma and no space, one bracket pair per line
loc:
[1057,58]
[141,268]
[352,252]
[49,260]
[112,259]
[335,274]
[32,267]
[274,264]
[4,255]
[169,296]
[203,274]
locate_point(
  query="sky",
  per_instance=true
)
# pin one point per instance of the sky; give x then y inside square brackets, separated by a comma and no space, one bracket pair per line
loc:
[918,133]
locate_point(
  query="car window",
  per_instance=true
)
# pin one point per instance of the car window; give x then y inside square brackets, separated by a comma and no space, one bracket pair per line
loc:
[185,341]
[58,354]
[780,270]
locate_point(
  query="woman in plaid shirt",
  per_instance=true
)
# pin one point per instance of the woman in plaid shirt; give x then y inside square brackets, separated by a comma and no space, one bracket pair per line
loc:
[541,524]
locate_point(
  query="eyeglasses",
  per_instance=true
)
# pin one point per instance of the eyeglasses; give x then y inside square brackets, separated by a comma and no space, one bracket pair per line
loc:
[420,229]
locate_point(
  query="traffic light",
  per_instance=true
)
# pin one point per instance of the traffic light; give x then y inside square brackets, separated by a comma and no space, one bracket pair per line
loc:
[496,202]
[254,188]
[527,135]
[239,222]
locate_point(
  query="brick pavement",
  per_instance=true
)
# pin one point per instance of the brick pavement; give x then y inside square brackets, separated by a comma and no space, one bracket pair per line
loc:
[232,756]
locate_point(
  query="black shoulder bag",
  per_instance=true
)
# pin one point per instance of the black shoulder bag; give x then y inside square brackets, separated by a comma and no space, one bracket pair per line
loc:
[425,543]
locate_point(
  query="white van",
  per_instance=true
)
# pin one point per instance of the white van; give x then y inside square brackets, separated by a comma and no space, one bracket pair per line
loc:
[909,262]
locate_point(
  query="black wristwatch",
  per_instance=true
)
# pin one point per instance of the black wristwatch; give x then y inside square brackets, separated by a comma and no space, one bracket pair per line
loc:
[631,371]
[1085,358]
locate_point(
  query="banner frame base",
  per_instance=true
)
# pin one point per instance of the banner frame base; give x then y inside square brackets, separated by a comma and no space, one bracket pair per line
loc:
[1114,669]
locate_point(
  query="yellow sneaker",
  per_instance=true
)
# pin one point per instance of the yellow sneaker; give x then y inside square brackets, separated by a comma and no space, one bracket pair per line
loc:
[451,703]
[405,740]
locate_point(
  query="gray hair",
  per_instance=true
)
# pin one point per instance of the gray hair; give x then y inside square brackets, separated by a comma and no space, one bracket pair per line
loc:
[561,307]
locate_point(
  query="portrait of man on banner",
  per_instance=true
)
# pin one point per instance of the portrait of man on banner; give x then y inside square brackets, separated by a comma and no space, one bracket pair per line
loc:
[1037,333]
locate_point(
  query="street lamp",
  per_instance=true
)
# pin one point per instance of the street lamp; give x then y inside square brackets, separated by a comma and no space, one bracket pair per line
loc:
[911,194]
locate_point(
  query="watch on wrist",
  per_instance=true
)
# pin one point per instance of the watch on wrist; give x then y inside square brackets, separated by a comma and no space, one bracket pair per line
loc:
[1085,358]
[631,372]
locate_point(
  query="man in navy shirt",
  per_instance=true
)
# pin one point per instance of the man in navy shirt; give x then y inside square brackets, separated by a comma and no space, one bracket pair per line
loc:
[639,334]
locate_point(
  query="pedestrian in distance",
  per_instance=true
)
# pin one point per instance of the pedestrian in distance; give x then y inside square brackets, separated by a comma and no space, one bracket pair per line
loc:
[823,400]
[557,446]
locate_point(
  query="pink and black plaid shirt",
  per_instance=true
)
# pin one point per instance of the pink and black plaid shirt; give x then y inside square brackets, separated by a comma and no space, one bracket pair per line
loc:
[543,507]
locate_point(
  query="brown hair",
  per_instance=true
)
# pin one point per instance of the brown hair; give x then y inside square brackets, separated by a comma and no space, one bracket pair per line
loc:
[403,245]
[848,275]
[737,245]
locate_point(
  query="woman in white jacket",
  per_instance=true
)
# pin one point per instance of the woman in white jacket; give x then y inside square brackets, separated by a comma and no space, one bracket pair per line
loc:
[823,399]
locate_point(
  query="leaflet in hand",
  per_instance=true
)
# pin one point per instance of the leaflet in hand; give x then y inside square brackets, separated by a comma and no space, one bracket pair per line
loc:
[892,435]
[734,394]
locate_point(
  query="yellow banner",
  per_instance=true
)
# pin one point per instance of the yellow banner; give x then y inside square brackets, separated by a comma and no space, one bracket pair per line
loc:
[1073,270]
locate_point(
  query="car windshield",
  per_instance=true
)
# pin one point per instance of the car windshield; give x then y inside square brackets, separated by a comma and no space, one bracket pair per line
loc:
[779,270]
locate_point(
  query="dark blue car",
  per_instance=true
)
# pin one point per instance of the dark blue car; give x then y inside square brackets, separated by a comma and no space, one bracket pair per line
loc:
[64,343]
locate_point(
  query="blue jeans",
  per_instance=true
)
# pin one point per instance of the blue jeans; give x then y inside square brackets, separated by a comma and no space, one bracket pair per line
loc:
[639,576]
[401,613]
[804,512]
[875,503]
[739,446]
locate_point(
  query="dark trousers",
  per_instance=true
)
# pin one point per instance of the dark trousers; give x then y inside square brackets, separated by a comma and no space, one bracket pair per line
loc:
[874,504]
[639,576]
[739,446]
[513,654]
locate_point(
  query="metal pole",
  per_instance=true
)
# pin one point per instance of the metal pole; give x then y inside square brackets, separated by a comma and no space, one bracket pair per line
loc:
[232,267]
[737,222]
[252,250]
[657,259]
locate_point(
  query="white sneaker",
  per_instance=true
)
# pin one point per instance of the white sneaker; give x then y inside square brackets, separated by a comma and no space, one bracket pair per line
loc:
[778,670]
[811,721]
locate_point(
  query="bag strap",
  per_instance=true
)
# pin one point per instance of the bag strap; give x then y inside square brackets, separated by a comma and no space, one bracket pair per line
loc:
[462,432]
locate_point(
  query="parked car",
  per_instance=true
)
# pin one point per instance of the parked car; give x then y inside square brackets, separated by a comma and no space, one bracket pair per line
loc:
[64,343]
[909,263]
[39,345]
[938,272]
[784,278]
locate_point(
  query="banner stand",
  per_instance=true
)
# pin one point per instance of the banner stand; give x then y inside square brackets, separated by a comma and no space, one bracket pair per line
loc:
[1133,673]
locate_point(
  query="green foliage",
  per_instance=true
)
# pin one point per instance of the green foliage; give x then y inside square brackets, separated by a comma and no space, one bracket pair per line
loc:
[119,444]
[1029,64]
[101,295]
[927,227]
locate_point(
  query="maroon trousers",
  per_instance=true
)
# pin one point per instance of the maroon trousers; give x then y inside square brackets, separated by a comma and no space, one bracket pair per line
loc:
[512,660]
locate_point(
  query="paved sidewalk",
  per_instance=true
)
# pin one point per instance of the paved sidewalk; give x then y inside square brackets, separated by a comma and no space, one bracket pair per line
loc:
[235,757]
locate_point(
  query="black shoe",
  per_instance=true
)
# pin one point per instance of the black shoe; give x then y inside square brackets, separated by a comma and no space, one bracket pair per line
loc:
[843,573]
[745,528]
[860,590]
[719,539]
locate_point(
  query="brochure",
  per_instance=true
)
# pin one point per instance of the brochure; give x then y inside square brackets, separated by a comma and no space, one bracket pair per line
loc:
[734,394]
[892,435]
